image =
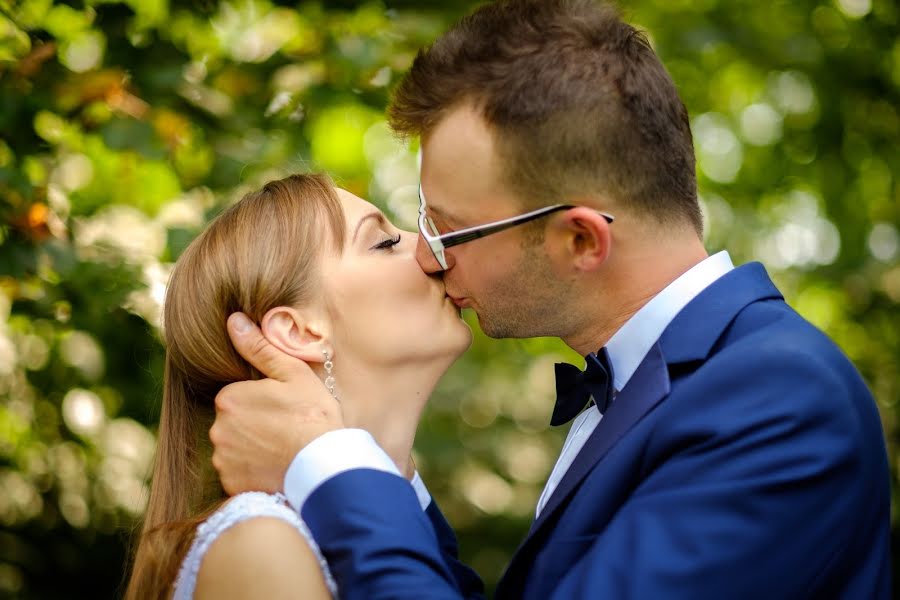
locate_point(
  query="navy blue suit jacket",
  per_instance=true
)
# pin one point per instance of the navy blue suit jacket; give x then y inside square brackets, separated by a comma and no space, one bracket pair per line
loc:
[744,459]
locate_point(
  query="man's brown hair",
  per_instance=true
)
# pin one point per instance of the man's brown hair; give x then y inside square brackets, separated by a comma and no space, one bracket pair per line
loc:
[578,102]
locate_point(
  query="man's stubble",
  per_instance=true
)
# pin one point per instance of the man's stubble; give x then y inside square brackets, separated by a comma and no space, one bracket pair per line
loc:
[530,301]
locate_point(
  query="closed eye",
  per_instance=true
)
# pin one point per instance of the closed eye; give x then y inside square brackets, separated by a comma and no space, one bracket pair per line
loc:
[387,244]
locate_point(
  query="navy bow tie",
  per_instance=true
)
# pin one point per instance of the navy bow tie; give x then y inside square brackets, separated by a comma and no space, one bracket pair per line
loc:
[575,387]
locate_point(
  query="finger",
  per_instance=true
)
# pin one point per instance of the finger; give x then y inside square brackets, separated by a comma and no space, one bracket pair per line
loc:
[250,343]
[229,399]
[232,404]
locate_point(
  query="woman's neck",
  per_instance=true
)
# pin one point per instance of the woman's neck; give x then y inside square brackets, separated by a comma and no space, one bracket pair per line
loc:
[387,401]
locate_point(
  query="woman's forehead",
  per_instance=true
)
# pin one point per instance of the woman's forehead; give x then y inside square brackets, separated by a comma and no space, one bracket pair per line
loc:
[354,206]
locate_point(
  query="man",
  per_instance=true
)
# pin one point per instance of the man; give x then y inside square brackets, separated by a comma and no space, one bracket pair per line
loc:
[729,448]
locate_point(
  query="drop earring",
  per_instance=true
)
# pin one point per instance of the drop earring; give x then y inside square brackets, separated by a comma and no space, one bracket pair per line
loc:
[329,378]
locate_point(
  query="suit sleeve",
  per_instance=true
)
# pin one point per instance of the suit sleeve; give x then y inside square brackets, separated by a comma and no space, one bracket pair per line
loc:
[467,579]
[382,537]
[377,540]
[769,486]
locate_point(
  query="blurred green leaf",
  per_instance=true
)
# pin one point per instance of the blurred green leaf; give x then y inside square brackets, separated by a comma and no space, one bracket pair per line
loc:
[64,22]
[337,138]
[14,43]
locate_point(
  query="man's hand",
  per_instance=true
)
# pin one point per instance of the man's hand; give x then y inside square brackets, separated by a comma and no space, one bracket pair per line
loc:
[261,425]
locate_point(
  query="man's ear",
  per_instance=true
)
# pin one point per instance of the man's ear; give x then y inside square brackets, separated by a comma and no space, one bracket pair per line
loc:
[585,238]
[295,333]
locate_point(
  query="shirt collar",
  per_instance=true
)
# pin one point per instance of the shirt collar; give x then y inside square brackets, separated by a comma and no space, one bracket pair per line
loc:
[630,344]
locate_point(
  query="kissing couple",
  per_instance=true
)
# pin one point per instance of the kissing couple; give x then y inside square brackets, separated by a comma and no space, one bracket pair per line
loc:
[719,446]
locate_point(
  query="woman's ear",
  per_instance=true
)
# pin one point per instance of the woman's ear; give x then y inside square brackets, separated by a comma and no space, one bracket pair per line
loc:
[296,334]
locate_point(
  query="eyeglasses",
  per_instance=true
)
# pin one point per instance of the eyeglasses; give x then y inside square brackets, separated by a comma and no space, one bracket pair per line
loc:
[439,242]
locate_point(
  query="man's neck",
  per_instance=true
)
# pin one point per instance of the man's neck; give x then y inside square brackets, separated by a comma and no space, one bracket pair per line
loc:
[636,276]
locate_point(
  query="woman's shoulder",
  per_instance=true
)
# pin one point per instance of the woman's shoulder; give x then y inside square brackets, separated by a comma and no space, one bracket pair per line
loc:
[255,545]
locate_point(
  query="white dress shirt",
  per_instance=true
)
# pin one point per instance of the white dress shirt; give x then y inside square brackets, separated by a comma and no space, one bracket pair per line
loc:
[346,449]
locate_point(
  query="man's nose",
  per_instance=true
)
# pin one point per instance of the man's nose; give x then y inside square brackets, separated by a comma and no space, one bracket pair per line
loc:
[425,257]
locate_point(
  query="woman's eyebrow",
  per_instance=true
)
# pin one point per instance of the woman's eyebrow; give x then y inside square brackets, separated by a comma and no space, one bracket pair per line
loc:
[372,215]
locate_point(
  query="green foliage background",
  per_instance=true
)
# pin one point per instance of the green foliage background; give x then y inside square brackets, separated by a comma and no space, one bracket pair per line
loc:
[125,125]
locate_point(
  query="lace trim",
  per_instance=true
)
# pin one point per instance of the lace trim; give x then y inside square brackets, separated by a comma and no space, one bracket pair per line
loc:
[241,508]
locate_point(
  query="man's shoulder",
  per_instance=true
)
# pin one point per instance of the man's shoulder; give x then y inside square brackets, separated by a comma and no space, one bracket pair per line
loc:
[772,367]
[771,332]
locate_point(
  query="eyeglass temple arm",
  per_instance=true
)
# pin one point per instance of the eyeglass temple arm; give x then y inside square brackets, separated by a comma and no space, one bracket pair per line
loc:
[467,235]
[461,237]
[454,239]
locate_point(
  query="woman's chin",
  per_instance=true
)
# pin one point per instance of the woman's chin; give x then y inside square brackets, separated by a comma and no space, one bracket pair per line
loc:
[469,338]
[466,337]
[455,349]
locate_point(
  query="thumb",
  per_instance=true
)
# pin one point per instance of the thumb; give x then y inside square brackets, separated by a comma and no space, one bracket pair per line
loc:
[250,343]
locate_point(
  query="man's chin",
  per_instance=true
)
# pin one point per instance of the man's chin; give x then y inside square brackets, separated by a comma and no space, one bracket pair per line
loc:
[499,329]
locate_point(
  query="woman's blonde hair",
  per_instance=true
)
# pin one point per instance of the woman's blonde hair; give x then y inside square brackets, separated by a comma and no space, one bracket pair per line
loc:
[260,253]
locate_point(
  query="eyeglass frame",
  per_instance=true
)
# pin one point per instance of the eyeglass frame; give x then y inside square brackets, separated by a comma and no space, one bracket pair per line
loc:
[439,243]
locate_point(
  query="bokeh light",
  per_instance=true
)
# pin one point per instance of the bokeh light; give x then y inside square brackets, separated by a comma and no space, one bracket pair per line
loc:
[82,412]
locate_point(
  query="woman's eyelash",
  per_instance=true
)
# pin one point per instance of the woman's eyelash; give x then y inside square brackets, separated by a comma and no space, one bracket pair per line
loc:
[388,243]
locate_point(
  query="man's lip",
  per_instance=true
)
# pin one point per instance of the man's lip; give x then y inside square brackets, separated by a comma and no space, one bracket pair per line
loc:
[459,302]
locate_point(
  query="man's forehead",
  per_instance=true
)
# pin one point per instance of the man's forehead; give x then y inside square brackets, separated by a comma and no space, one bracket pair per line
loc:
[459,145]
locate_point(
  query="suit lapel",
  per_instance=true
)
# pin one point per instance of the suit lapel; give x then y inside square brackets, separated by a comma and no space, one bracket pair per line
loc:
[647,387]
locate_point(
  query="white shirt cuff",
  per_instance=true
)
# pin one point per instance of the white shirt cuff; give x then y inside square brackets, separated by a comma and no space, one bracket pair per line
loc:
[330,454]
[421,491]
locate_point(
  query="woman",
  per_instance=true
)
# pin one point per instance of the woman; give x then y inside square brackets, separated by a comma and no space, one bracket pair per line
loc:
[330,281]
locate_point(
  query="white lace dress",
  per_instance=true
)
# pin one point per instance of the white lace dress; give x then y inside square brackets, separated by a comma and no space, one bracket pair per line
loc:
[241,508]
